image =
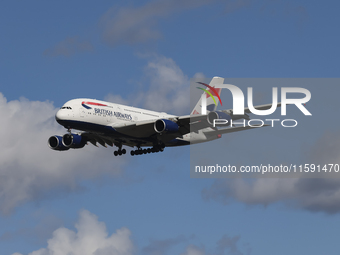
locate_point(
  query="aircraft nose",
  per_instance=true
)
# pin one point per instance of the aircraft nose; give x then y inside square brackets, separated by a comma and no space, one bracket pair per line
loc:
[59,115]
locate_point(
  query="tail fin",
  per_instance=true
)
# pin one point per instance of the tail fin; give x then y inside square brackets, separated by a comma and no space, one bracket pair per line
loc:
[211,95]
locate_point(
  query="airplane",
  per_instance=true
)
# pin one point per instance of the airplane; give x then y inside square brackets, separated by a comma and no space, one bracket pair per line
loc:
[119,125]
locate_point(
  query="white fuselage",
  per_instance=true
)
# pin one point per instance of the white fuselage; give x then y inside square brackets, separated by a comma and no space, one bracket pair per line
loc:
[95,115]
[105,113]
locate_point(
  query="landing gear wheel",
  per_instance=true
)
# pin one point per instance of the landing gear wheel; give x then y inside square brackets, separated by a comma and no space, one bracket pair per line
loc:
[120,151]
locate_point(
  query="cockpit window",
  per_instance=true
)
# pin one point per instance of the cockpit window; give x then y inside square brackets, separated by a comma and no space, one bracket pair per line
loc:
[66,107]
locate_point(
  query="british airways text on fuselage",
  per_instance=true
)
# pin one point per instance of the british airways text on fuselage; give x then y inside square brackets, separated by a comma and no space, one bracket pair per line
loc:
[118,115]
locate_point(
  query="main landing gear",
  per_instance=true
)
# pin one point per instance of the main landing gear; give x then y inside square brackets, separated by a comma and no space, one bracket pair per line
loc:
[119,152]
[140,151]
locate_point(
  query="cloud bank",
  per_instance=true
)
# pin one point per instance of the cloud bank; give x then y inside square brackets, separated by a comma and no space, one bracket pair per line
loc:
[166,88]
[132,25]
[91,238]
[29,169]
[315,195]
[311,194]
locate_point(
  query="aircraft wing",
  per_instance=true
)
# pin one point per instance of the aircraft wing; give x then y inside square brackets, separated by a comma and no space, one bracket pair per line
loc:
[141,129]
[192,123]
[136,129]
[143,132]
[110,140]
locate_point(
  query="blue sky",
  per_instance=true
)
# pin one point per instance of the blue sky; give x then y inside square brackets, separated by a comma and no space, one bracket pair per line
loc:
[143,53]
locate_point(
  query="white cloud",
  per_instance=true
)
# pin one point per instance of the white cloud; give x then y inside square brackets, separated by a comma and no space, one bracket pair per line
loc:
[117,99]
[193,250]
[229,244]
[91,238]
[29,169]
[169,87]
[312,194]
[139,24]
[127,25]
[165,88]
[133,25]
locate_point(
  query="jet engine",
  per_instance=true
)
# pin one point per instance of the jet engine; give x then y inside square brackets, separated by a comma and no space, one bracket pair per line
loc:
[73,141]
[164,125]
[218,115]
[55,143]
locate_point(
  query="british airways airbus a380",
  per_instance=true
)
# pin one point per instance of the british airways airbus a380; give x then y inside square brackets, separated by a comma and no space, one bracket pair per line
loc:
[119,125]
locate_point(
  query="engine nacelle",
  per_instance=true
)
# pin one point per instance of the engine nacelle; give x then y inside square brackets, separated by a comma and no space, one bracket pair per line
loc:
[55,143]
[73,141]
[164,125]
[218,116]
